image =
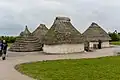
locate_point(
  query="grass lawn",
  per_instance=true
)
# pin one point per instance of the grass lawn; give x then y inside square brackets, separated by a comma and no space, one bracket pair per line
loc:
[115,43]
[107,68]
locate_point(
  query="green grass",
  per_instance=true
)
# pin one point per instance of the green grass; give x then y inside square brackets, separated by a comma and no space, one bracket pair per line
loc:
[115,43]
[107,68]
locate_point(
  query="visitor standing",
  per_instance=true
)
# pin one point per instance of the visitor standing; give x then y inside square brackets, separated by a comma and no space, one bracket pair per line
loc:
[1,47]
[4,50]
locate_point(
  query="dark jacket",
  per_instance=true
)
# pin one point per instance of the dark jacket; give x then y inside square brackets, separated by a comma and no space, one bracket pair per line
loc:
[5,45]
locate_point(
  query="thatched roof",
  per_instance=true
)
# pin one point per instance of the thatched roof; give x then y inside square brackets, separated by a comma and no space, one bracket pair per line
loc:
[40,31]
[63,32]
[26,32]
[96,33]
[26,43]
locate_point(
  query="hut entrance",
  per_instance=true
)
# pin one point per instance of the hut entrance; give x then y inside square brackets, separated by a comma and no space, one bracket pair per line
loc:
[95,46]
[86,46]
[42,45]
[99,45]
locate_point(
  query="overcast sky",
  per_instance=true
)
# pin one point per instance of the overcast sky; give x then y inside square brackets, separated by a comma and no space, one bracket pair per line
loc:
[15,14]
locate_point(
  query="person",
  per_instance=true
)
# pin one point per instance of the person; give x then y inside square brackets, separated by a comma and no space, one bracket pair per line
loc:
[42,46]
[1,46]
[4,50]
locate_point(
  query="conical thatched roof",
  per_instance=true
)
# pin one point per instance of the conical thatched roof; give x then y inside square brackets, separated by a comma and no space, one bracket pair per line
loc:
[63,32]
[96,33]
[26,32]
[26,43]
[40,31]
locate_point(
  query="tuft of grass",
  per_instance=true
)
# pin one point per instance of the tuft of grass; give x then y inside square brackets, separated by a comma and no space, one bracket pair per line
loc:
[107,68]
[115,43]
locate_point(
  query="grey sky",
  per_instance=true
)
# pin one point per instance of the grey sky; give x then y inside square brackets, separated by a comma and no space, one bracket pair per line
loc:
[15,14]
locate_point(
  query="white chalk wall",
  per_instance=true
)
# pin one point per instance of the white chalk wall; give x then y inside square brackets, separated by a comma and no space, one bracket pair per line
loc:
[105,44]
[91,44]
[63,48]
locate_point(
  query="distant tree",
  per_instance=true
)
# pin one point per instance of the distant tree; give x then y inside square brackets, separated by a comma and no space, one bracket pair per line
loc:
[9,39]
[115,31]
[114,36]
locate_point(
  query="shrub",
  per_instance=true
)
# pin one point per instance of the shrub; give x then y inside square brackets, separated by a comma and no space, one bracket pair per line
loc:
[9,39]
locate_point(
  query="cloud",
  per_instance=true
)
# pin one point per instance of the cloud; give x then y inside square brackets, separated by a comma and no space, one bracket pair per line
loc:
[15,14]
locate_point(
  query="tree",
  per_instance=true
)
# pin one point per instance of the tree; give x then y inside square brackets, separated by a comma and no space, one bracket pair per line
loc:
[114,36]
[9,39]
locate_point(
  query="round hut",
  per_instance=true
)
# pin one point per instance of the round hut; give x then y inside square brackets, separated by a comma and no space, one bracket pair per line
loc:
[96,37]
[25,33]
[62,38]
[40,31]
[26,42]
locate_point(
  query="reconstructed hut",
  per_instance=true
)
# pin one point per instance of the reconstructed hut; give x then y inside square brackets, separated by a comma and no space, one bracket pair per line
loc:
[25,33]
[96,37]
[62,37]
[26,42]
[40,31]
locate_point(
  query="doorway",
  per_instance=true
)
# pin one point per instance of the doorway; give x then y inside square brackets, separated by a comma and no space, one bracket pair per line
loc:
[99,44]
[86,46]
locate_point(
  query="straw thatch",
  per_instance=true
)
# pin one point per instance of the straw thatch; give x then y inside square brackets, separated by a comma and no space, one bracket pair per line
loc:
[40,31]
[26,43]
[25,33]
[96,33]
[63,32]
